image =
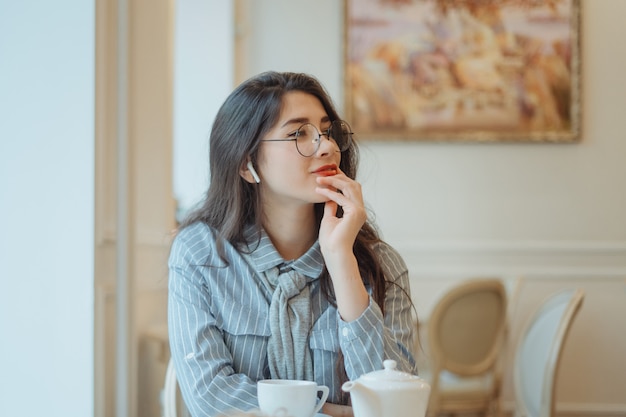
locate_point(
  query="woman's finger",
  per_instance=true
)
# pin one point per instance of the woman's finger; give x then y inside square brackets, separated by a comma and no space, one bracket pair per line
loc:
[343,185]
[335,196]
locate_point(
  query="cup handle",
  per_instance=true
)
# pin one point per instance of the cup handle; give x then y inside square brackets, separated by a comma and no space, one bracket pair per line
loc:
[324,390]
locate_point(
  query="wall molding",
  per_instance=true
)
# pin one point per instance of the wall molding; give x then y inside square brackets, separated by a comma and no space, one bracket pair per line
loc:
[598,266]
[513,246]
[514,258]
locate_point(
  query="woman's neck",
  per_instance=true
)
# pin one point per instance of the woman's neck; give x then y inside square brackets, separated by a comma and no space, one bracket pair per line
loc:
[292,232]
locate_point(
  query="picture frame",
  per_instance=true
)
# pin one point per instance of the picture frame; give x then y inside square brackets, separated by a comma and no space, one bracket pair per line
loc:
[463,70]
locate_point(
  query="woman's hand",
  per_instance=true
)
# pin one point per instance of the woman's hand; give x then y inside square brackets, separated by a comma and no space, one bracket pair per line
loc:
[337,236]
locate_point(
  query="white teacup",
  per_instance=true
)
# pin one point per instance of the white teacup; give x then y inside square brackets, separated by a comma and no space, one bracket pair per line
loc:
[290,398]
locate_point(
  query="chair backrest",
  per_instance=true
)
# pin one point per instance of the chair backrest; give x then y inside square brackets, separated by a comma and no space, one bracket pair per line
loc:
[538,353]
[466,327]
[170,391]
[171,401]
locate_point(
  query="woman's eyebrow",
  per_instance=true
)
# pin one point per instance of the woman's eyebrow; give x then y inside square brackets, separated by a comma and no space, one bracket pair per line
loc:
[303,120]
[298,120]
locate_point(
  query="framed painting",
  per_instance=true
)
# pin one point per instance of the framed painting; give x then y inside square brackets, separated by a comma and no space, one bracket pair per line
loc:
[463,70]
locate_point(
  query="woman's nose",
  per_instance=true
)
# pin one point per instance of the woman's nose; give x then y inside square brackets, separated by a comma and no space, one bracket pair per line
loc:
[327,146]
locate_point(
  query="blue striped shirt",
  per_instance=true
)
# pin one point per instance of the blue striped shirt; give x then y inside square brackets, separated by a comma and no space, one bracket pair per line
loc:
[218,323]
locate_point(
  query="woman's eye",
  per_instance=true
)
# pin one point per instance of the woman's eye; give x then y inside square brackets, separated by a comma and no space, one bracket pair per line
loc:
[293,134]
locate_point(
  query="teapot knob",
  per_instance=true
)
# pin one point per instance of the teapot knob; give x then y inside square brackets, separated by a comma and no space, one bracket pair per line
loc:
[389,364]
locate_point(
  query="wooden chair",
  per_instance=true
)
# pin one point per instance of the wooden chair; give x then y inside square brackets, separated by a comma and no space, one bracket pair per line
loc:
[538,353]
[465,336]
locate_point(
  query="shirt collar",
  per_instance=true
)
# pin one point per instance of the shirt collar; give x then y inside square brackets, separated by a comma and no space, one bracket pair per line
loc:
[265,256]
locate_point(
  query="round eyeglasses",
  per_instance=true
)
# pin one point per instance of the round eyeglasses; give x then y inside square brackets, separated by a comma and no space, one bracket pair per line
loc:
[308,138]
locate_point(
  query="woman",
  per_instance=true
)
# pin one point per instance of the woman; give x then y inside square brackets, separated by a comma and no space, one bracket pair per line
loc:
[278,274]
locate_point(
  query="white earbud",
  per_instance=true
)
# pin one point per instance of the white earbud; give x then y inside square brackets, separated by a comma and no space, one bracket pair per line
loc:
[253,172]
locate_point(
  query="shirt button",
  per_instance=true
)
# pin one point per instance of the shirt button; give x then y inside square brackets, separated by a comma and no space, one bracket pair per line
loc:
[345,332]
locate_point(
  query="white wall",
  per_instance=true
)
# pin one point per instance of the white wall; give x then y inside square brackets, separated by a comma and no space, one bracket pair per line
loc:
[46,207]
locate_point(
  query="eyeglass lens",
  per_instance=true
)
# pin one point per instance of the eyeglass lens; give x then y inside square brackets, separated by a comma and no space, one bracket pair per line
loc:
[309,139]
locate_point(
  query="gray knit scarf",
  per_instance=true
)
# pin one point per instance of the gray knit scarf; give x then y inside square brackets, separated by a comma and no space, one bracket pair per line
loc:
[290,322]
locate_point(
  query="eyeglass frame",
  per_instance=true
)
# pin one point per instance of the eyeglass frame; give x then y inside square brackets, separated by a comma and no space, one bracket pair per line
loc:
[319,137]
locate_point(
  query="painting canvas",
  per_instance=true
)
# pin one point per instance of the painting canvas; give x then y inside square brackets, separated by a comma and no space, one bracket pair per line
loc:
[480,70]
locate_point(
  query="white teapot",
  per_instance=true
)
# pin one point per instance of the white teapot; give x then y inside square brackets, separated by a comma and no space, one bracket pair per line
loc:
[388,393]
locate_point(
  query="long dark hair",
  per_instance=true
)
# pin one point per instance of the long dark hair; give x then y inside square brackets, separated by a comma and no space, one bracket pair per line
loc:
[231,203]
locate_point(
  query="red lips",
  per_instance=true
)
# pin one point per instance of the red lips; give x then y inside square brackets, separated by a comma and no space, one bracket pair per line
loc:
[326,170]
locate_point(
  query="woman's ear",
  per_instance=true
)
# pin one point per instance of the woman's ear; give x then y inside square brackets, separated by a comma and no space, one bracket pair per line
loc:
[249,173]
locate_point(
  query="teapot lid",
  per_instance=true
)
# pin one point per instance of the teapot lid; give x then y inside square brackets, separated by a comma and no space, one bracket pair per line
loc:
[390,373]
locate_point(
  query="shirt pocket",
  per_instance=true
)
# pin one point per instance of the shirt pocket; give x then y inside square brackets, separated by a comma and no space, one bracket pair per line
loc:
[323,337]
[241,321]
[245,333]
[324,340]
